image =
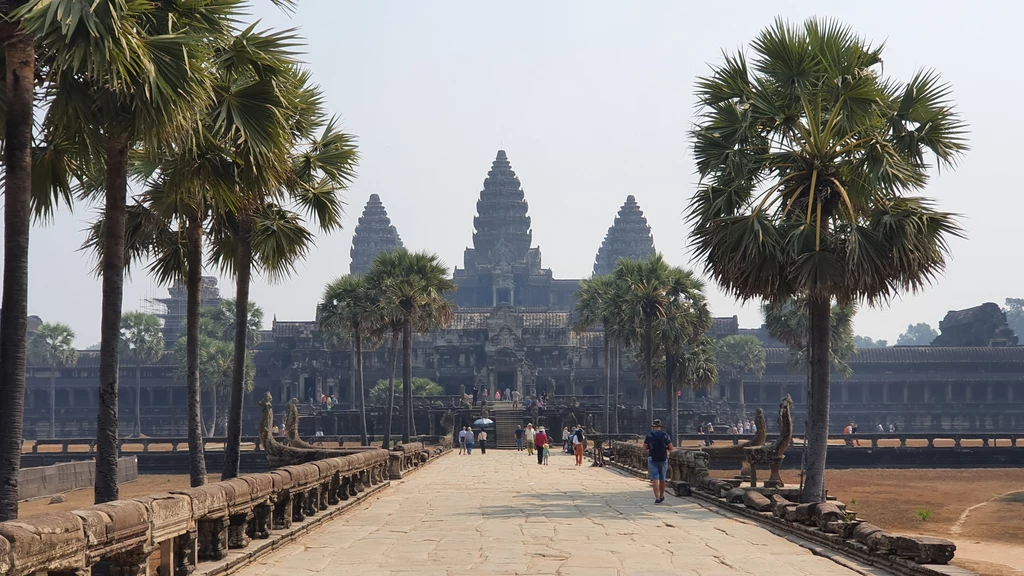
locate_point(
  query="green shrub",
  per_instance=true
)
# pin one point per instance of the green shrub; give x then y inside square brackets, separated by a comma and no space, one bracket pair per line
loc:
[923,514]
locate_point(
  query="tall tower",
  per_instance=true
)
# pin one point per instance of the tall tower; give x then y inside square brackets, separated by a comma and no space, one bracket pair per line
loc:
[502,233]
[374,234]
[629,237]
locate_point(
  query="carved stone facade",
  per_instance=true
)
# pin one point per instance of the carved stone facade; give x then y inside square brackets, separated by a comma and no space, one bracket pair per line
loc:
[374,234]
[629,238]
[983,325]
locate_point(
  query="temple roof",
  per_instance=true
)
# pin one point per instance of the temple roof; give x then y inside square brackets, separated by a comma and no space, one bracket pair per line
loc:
[374,234]
[502,228]
[629,237]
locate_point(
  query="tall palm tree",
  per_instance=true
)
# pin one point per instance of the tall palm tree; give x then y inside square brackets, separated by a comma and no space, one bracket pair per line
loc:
[53,346]
[593,307]
[412,288]
[808,157]
[347,305]
[142,341]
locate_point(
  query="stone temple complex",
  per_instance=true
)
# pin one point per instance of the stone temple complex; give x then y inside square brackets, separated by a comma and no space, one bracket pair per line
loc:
[512,329]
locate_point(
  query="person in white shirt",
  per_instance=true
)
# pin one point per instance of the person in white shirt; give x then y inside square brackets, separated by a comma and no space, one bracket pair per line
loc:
[462,440]
[530,434]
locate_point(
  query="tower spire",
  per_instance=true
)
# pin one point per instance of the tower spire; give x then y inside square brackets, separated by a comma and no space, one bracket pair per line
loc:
[629,237]
[374,234]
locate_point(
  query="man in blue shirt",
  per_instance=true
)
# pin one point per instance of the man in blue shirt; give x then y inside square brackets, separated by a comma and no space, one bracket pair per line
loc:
[519,438]
[658,445]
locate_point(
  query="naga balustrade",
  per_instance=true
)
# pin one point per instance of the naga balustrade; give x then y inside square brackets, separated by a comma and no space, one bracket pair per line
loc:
[124,444]
[986,438]
[185,526]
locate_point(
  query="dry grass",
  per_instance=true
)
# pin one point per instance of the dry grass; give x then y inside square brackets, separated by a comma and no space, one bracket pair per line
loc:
[83,498]
[889,498]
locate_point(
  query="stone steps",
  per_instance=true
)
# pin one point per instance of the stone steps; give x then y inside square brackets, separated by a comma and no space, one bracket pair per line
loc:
[505,422]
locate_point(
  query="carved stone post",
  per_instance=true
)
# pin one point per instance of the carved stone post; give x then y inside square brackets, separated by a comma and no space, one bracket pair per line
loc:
[298,506]
[130,563]
[311,501]
[238,527]
[213,539]
[262,521]
[352,490]
[332,492]
[325,491]
[283,511]
[343,492]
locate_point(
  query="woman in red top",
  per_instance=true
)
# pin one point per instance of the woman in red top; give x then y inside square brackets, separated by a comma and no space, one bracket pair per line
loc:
[540,440]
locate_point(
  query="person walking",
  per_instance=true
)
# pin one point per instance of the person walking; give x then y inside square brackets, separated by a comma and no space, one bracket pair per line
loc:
[508,394]
[658,445]
[519,438]
[577,445]
[530,435]
[469,440]
[462,440]
[482,439]
[546,451]
[515,399]
[476,394]
[497,395]
[566,447]
[541,440]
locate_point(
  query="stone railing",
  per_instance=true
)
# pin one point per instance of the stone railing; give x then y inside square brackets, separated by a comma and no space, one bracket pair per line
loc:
[129,444]
[408,457]
[872,439]
[188,526]
[629,455]
[829,523]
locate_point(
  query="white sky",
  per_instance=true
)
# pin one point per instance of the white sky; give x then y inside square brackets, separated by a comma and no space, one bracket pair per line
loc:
[592,101]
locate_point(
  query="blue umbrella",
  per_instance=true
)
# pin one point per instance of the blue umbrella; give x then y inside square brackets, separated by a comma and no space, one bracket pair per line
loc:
[483,422]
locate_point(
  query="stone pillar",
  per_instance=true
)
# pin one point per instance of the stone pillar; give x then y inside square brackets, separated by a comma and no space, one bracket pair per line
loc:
[949,393]
[864,396]
[927,392]
[1009,392]
[967,393]
[885,393]
[846,392]
[988,393]
[906,393]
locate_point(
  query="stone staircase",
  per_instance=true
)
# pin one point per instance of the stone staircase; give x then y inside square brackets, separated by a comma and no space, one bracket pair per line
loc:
[505,421]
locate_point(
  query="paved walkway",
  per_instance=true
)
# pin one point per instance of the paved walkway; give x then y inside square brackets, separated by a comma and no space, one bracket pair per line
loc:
[501,513]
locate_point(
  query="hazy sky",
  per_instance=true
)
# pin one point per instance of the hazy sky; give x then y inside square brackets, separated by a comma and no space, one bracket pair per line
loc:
[593,101]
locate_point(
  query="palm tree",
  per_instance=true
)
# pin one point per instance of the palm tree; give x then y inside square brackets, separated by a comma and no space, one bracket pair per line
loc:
[807,158]
[593,307]
[645,292]
[412,288]
[126,75]
[53,346]
[740,355]
[142,342]
[347,306]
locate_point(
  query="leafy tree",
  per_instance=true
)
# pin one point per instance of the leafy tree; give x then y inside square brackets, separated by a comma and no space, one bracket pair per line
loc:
[411,287]
[420,387]
[347,306]
[740,356]
[53,346]
[920,334]
[867,342]
[1014,310]
[808,157]
[142,342]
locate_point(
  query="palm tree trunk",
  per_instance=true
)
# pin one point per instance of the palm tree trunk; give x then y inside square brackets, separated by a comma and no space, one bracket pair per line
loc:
[112,268]
[53,402]
[607,380]
[649,361]
[138,400]
[211,430]
[407,378]
[391,390]
[363,439]
[20,74]
[670,387]
[194,287]
[243,266]
[742,400]
[817,436]
[616,386]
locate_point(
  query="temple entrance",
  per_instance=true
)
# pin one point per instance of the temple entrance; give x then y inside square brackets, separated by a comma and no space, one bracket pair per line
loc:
[506,380]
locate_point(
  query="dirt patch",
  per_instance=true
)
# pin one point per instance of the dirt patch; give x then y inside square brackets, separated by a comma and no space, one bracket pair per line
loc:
[897,500]
[83,498]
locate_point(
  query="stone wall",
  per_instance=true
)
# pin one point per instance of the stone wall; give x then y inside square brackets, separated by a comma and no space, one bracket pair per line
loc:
[66,476]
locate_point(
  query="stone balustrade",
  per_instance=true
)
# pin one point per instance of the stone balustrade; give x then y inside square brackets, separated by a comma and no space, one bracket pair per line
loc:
[127,444]
[187,526]
[630,455]
[873,439]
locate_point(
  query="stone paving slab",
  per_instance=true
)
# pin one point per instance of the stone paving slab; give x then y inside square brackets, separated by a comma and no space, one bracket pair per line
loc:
[501,513]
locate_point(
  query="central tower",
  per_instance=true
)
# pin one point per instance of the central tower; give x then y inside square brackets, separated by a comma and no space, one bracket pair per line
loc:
[503,268]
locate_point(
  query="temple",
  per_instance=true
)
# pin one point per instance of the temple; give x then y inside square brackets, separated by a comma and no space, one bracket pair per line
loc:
[373,234]
[513,330]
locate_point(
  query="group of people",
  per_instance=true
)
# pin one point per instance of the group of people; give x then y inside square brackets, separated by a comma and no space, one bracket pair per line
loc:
[468,438]
[507,395]
[743,427]
[706,429]
[327,401]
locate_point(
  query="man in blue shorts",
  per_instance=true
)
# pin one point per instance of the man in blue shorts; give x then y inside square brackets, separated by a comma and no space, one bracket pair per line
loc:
[657,444]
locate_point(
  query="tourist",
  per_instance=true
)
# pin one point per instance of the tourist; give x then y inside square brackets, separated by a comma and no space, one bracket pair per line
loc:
[530,435]
[482,439]
[485,393]
[497,395]
[577,445]
[515,399]
[855,428]
[318,438]
[892,428]
[526,403]
[711,430]
[469,440]
[462,440]
[476,392]
[541,440]
[566,447]
[546,451]
[880,428]
[519,438]
[753,427]
[334,401]
[658,445]
[507,395]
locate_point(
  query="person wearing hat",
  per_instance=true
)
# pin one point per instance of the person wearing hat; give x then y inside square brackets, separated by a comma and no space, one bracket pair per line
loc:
[658,445]
[541,440]
[530,435]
